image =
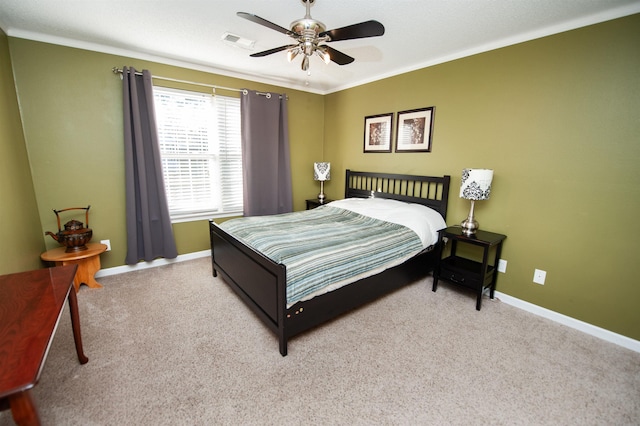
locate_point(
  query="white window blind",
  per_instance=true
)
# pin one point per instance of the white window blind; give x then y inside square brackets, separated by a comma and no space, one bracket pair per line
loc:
[201,153]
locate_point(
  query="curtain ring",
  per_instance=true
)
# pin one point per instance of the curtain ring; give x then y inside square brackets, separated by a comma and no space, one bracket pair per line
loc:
[268,95]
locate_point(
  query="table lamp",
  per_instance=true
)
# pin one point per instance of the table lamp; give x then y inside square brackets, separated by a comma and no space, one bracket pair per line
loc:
[475,186]
[321,172]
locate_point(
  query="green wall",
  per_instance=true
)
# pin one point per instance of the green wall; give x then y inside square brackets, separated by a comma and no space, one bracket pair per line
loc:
[71,105]
[20,229]
[558,120]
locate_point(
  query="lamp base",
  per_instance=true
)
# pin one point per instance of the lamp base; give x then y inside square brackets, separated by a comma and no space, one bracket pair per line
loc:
[470,225]
[321,196]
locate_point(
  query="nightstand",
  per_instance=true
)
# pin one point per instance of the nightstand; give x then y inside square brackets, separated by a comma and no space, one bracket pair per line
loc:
[314,202]
[477,275]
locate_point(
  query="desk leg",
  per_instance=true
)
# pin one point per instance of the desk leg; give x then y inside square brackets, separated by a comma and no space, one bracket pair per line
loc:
[23,409]
[75,324]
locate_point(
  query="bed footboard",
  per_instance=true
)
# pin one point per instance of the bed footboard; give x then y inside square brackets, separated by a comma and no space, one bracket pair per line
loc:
[259,282]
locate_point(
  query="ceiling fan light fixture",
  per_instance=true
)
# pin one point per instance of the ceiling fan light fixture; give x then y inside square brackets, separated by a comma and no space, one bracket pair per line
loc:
[308,47]
[292,53]
[305,63]
[322,52]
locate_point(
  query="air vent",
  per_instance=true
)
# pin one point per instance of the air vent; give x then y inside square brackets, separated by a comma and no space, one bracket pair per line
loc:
[237,41]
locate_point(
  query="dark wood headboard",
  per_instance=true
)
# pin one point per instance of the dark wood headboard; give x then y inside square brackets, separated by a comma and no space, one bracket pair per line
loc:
[431,191]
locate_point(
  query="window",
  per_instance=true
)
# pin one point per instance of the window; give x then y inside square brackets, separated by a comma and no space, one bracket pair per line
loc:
[201,153]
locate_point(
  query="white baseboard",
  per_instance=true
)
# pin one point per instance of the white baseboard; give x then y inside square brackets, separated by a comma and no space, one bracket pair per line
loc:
[146,265]
[601,333]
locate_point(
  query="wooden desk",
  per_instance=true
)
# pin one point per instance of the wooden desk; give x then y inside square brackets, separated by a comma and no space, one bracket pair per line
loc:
[88,262]
[30,308]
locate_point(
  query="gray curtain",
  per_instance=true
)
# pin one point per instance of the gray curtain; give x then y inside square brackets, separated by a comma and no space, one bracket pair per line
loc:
[265,154]
[149,232]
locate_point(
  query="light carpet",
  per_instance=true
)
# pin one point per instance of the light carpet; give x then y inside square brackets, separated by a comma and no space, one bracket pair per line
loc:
[175,346]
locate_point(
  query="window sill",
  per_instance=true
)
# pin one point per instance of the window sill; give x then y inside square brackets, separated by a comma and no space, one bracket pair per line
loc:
[193,217]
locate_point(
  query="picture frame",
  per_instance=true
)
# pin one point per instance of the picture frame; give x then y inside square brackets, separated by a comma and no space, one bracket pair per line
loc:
[377,132]
[414,130]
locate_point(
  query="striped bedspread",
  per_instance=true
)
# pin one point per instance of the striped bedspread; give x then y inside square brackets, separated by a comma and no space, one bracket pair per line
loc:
[327,247]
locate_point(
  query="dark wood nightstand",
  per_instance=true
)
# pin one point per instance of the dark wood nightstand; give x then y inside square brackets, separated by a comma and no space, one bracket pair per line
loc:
[314,202]
[477,275]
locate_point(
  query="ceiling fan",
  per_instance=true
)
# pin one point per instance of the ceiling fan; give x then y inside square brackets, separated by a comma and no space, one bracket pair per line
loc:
[310,36]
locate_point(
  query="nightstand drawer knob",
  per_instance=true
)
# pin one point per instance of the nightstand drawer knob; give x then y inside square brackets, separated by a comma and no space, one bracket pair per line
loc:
[456,280]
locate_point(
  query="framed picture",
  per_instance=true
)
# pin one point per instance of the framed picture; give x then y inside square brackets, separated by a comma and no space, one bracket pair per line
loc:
[377,133]
[414,130]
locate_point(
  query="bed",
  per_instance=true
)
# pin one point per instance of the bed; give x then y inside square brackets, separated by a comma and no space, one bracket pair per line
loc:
[262,282]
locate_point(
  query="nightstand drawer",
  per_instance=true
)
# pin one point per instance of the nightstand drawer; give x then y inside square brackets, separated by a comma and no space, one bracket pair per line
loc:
[459,276]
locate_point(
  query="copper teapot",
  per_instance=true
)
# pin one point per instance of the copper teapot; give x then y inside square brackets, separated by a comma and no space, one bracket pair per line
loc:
[74,236]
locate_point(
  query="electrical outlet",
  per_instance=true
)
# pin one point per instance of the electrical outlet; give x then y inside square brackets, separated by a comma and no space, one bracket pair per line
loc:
[539,276]
[106,243]
[502,265]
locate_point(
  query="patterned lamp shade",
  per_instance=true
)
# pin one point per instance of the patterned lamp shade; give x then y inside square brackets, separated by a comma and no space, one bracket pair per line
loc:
[321,171]
[476,184]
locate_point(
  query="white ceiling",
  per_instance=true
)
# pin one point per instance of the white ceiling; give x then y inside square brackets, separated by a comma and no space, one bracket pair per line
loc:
[189,33]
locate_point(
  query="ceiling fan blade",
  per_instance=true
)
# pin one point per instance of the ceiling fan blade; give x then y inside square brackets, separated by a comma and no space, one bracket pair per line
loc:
[338,57]
[262,21]
[361,30]
[274,50]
